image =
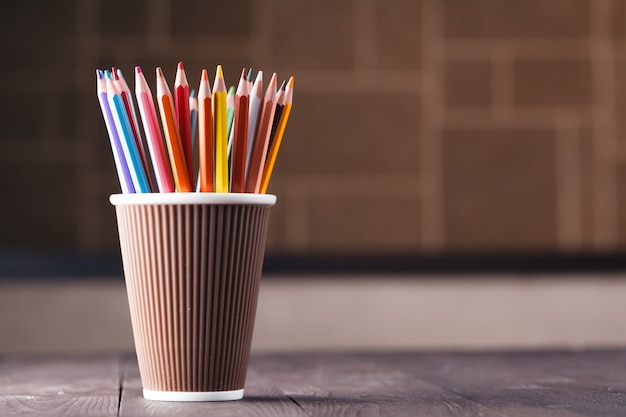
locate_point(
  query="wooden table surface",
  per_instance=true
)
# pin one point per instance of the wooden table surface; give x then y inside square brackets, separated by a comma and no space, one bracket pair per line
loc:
[529,383]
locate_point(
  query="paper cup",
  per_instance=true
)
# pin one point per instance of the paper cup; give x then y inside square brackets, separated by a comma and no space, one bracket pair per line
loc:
[192,265]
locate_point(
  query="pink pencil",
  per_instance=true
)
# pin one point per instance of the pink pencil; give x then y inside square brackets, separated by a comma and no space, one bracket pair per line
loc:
[153,133]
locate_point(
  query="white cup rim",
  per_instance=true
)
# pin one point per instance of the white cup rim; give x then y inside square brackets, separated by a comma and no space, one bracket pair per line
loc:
[192,198]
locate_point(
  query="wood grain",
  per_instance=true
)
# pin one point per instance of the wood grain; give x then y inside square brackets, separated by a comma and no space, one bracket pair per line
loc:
[78,385]
[538,384]
[343,384]
[544,383]
[261,399]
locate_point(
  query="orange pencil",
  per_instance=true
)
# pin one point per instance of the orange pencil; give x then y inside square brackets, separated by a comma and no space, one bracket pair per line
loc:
[172,135]
[240,136]
[205,134]
[287,100]
[261,139]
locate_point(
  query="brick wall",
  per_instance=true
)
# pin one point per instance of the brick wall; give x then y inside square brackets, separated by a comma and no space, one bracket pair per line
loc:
[417,125]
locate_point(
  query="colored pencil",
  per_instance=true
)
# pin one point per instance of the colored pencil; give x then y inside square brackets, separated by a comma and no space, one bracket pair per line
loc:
[193,115]
[172,135]
[280,105]
[240,136]
[122,86]
[221,132]
[127,139]
[256,101]
[204,140]
[153,133]
[181,101]
[123,174]
[287,100]
[261,139]
[205,134]
[230,109]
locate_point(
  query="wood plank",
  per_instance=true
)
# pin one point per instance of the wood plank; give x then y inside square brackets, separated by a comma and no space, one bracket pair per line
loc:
[340,384]
[62,385]
[583,383]
[531,383]
[260,399]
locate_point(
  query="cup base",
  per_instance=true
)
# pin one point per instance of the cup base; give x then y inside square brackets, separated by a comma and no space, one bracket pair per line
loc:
[193,395]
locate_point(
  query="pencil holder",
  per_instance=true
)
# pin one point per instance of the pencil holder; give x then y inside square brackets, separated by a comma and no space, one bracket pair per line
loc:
[192,265]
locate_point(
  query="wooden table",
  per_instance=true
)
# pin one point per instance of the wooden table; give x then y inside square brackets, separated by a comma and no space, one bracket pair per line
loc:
[541,383]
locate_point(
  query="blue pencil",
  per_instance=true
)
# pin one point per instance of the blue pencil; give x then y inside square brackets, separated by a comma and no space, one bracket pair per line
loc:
[123,174]
[124,130]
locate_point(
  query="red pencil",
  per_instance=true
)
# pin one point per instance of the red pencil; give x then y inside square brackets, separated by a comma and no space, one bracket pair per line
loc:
[240,136]
[205,134]
[181,96]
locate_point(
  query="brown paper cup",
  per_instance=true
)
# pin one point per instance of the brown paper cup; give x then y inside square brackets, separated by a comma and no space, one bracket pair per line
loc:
[192,265]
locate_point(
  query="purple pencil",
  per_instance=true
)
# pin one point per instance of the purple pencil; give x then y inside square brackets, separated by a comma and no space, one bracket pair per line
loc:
[123,173]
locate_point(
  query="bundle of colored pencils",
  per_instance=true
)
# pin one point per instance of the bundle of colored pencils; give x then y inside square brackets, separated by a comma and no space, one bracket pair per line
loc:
[235,133]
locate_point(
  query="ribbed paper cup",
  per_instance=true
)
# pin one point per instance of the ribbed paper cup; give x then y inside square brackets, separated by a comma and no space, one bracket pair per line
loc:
[192,264]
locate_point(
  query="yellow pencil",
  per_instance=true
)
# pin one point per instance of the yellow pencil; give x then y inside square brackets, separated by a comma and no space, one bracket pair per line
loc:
[220,125]
[280,130]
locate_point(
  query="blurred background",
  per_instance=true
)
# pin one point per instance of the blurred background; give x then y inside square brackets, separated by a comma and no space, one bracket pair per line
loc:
[452,174]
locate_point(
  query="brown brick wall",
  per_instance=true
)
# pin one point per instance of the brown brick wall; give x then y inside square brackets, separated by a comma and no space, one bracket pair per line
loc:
[418,125]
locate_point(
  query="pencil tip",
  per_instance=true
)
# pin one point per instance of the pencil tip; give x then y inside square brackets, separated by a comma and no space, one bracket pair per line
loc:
[205,75]
[273,79]
[283,85]
[99,73]
[138,69]
[231,90]
[243,73]
[107,74]
[193,93]
[259,76]
[159,72]
[180,66]
[219,73]
[115,74]
[249,78]
[290,83]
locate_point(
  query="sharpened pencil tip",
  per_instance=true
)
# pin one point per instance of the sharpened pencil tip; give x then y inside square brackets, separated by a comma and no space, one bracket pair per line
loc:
[193,94]
[205,75]
[107,74]
[219,73]
[138,70]
[180,66]
[283,85]
[243,73]
[290,83]
[115,74]
[231,90]
[249,78]
[159,72]
[99,73]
